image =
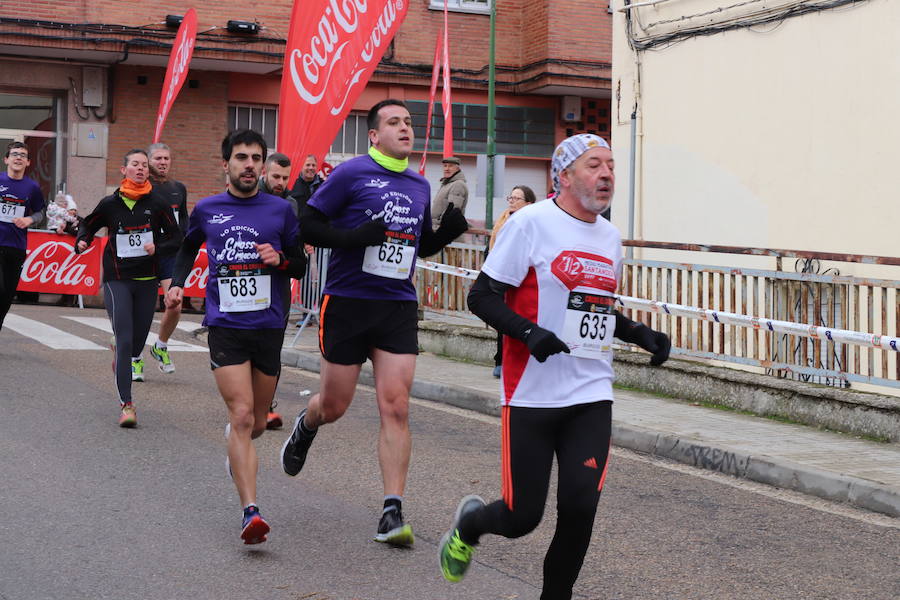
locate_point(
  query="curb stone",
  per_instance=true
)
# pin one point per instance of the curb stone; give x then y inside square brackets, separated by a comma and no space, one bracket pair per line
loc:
[780,473]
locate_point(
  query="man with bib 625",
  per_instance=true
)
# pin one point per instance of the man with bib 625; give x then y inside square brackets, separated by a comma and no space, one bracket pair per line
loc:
[374,212]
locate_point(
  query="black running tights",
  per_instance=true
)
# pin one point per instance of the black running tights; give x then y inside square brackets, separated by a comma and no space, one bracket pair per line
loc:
[579,437]
[130,304]
[11,260]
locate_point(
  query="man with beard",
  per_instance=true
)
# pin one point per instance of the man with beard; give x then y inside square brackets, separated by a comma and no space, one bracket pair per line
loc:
[175,195]
[252,247]
[21,203]
[275,175]
[549,285]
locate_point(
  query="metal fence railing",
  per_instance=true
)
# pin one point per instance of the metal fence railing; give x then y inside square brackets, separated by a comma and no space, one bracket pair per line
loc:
[809,296]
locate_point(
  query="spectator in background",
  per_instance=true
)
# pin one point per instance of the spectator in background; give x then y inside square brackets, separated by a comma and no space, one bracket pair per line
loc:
[308,182]
[56,213]
[62,217]
[520,196]
[453,191]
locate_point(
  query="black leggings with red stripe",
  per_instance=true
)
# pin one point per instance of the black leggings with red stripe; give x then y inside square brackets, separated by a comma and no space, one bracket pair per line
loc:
[579,436]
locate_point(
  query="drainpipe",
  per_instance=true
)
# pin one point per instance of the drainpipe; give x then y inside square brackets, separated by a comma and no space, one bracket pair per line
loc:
[632,181]
[491,148]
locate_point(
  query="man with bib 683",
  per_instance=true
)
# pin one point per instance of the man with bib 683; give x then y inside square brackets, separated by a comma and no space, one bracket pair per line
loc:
[253,247]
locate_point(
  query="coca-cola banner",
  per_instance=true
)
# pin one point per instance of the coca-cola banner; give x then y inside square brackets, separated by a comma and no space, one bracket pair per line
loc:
[52,267]
[195,284]
[333,48]
[176,73]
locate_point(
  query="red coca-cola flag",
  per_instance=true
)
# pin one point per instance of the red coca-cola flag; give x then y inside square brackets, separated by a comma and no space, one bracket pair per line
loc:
[195,284]
[446,101]
[52,267]
[176,73]
[333,48]
[435,71]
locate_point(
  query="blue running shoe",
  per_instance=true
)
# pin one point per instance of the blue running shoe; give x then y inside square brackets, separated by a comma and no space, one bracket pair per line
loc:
[254,526]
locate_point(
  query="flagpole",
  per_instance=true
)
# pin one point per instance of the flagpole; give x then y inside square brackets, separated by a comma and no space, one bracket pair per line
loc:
[491,149]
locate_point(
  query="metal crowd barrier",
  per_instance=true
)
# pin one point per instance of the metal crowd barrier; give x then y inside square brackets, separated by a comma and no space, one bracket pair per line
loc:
[305,302]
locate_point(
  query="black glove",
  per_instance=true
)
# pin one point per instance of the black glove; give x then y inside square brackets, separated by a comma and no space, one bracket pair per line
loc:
[453,223]
[370,233]
[655,342]
[543,343]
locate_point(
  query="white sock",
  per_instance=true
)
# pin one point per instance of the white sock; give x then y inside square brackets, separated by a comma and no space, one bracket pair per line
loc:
[161,344]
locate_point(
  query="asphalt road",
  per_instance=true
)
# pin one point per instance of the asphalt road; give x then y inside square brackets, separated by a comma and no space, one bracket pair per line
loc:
[92,511]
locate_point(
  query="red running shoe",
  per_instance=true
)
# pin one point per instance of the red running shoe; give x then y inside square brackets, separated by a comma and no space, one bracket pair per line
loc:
[254,526]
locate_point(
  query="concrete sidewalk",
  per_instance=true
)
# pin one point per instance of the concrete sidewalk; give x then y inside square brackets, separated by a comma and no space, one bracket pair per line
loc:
[829,465]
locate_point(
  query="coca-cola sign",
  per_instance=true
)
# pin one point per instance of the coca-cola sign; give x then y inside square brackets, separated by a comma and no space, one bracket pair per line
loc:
[176,73]
[195,284]
[52,267]
[333,48]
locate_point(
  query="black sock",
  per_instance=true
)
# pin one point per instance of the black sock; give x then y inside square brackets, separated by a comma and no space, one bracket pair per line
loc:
[392,504]
[306,431]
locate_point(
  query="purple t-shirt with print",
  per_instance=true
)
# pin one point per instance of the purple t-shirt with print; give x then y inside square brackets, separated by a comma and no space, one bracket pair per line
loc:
[250,295]
[360,190]
[18,198]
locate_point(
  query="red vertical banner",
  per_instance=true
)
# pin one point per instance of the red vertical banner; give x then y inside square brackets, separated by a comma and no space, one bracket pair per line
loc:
[176,73]
[333,48]
[446,102]
[435,71]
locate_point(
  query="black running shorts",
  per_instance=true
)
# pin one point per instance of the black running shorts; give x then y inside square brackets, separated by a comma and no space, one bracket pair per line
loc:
[349,328]
[262,347]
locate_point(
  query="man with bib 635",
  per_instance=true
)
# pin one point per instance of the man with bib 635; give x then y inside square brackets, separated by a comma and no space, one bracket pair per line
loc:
[548,285]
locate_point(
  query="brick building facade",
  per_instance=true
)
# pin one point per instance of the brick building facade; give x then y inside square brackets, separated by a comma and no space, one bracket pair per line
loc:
[96,68]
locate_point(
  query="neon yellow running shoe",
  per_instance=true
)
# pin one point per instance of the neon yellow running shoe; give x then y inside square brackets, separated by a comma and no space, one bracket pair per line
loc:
[162,355]
[137,370]
[455,555]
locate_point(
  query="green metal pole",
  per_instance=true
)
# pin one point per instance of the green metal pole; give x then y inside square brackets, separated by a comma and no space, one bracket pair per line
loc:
[491,148]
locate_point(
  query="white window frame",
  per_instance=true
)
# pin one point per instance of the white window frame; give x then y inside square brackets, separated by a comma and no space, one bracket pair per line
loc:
[482,7]
[232,126]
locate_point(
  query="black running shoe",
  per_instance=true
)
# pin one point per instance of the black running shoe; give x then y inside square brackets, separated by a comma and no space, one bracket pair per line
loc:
[294,449]
[392,530]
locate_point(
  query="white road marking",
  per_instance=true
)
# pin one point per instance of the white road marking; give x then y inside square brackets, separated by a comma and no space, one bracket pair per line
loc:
[48,335]
[104,325]
[186,326]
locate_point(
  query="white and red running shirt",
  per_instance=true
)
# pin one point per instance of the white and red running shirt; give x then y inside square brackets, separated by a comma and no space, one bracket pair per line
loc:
[564,274]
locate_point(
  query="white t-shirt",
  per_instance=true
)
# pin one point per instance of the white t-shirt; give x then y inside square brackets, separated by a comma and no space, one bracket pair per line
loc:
[564,274]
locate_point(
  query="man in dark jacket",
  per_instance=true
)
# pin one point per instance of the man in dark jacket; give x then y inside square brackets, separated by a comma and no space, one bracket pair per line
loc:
[308,182]
[174,193]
